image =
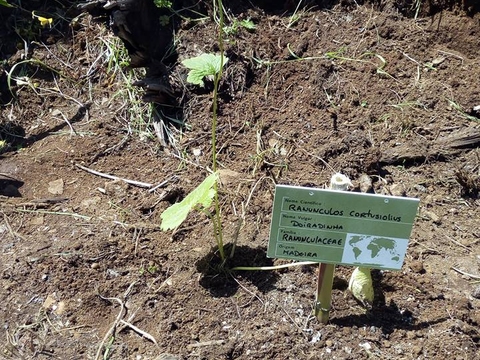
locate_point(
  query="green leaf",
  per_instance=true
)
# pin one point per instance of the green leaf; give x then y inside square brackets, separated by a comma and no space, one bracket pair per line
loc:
[202,66]
[162,4]
[196,76]
[4,3]
[248,24]
[202,195]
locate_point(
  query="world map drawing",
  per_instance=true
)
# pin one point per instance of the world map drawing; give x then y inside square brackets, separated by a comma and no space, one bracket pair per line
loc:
[374,251]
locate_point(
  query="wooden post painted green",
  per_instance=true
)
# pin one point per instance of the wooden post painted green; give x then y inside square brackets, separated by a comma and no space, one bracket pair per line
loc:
[326,272]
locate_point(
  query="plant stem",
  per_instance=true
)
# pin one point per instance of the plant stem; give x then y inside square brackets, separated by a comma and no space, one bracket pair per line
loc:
[325,271]
[217,221]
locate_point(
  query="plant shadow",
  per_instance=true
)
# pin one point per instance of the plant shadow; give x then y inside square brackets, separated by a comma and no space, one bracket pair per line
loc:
[224,282]
[387,317]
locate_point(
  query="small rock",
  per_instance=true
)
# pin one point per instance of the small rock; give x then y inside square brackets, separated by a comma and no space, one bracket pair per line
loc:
[228,177]
[438,60]
[420,188]
[328,343]
[365,183]
[60,308]
[49,301]
[38,220]
[417,350]
[91,202]
[366,345]
[112,274]
[417,267]
[116,188]
[397,190]
[316,337]
[432,216]
[476,292]
[56,187]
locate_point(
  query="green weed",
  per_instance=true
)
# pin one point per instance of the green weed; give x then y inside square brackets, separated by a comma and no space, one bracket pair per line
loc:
[296,16]
[136,115]
[5,3]
[461,111]
[238,24]
[204,66]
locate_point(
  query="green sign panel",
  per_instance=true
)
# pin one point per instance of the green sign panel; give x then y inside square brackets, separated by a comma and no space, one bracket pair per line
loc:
[340,227]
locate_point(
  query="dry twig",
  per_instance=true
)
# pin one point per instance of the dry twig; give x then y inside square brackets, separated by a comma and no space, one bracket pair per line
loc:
[113,177]
[476,277]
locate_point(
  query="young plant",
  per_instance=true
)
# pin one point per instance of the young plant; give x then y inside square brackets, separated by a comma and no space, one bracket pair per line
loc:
[200,67]
[233,28]
[205,65]
[200,198]
[164,20]
[163,4]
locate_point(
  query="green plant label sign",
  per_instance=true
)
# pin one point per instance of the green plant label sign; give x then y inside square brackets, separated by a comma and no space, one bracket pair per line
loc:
[340,227]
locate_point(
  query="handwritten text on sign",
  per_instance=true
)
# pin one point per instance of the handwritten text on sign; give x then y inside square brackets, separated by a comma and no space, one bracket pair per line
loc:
[341,227]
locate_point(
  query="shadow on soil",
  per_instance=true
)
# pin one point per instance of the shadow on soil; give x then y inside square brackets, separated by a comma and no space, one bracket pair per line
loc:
[387,317]
[225,282]
[10,186]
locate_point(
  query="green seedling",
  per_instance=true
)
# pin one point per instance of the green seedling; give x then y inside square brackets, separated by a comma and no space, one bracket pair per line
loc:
[200,198]
[205,65]
[4,3]
[237,24]
[163,4]
[164,20]
[207,192]
[338,55]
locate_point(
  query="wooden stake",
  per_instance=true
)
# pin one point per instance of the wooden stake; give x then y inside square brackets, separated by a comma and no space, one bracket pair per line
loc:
[326,271]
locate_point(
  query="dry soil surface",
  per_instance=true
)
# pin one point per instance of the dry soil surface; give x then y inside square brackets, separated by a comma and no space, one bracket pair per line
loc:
[367,89]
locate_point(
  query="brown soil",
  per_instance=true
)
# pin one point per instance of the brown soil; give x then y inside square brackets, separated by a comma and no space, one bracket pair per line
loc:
[366,89]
